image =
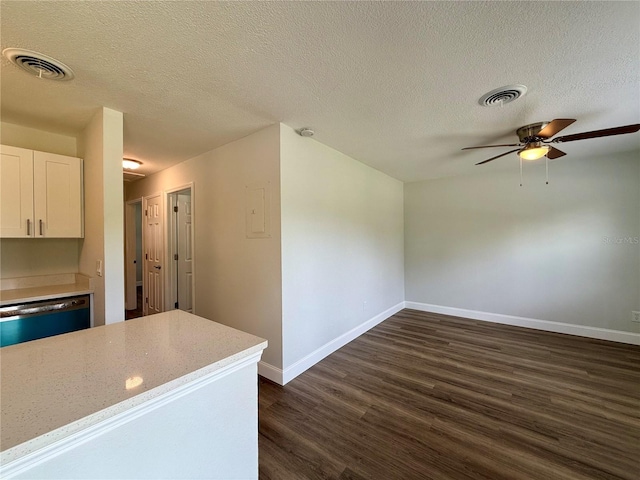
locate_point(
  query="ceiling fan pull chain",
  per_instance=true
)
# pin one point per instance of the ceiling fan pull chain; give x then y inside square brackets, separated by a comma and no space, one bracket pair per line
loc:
[520,169]
[546,166]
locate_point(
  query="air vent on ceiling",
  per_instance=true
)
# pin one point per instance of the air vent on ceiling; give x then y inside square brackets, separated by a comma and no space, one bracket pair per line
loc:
[42,66]
[502,95]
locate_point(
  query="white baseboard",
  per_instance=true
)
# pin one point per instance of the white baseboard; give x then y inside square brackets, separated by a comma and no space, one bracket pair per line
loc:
[282,377]
[314,357]
[557,327]
[267,370]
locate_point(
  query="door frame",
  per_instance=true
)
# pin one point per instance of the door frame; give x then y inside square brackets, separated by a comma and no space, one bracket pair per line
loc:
[131,301]
[168,280]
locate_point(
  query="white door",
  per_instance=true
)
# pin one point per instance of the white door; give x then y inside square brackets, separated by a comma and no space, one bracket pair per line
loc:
[131,218]
[153,239]
[185,255]
[16,192]
[57,193]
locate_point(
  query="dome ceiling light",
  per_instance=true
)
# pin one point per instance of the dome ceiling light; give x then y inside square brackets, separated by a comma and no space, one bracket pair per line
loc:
[130,164]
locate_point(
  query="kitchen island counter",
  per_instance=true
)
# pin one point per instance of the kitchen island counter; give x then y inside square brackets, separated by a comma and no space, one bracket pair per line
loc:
[58,387]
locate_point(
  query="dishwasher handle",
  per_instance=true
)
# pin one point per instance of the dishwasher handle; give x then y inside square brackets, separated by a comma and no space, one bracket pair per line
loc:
[49,307]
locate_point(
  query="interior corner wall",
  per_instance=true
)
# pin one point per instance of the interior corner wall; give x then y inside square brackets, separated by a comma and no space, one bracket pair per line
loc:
[564,252]
[101,146]
[37,256]
[238,280]
[342,246]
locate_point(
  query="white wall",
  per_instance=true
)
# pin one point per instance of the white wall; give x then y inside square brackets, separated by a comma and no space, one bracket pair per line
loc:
[28,257]
[38,256]
[237,280]
[101,146]
[113,149]
[483,243]
[36,139]
[342,245]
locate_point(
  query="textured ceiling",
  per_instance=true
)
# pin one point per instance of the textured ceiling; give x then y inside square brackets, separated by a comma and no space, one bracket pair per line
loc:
[392,84]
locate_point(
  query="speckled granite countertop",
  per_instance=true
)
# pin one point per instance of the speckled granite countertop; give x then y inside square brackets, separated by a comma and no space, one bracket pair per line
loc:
[45,287]
[60,385]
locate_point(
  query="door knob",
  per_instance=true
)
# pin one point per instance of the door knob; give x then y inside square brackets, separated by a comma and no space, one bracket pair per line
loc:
[157,267]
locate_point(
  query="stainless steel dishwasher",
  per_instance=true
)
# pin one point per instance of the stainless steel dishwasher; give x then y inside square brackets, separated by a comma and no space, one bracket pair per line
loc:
[34,320]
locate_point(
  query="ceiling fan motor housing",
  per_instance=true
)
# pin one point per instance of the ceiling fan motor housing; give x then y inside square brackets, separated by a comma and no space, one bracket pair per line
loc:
[529,133]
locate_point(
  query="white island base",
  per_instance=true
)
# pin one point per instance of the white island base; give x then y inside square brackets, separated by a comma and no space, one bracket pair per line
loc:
[198,424]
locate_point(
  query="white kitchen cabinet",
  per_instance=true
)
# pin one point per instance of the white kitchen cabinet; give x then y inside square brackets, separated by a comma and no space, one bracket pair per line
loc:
[16,192]
[43,195]
[57,195]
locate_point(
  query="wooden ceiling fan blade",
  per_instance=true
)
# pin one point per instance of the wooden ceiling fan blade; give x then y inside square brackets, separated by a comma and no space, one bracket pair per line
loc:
[498,156]
[599,133]
[554,153]
[491,146]
[555,126]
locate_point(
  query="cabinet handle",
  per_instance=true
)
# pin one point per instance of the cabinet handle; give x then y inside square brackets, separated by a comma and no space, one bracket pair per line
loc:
[41,232]
[28,227]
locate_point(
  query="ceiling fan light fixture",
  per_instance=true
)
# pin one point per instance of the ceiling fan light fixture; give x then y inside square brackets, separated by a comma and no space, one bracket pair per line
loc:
[535,137]
[130,164]
[533,152]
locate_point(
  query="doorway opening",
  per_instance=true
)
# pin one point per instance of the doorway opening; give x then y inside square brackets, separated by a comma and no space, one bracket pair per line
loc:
[180,243]
[133,259]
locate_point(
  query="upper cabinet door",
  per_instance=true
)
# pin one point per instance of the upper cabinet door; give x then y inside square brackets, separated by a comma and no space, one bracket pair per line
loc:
[57,192]
[16,192]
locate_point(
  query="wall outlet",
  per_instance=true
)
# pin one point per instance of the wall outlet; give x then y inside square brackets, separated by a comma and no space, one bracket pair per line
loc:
[99,268]
[635,317]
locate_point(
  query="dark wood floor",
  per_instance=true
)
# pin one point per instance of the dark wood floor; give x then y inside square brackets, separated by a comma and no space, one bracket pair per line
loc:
[430,396]
[129,314]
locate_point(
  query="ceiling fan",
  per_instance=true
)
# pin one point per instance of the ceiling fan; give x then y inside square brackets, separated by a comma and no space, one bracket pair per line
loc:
[536,137]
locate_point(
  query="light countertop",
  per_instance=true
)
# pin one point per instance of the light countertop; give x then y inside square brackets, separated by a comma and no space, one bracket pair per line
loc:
[46,287]
[59,385]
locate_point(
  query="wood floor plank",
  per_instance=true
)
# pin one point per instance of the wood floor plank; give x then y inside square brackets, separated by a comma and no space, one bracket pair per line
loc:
[428,396]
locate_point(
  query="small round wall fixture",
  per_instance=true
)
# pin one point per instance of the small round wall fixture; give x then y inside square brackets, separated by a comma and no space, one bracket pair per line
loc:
[130,164]
[38,64]
[306,132]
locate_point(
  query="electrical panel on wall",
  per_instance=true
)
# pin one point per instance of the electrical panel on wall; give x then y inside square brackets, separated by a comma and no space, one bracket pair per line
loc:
[257,205]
